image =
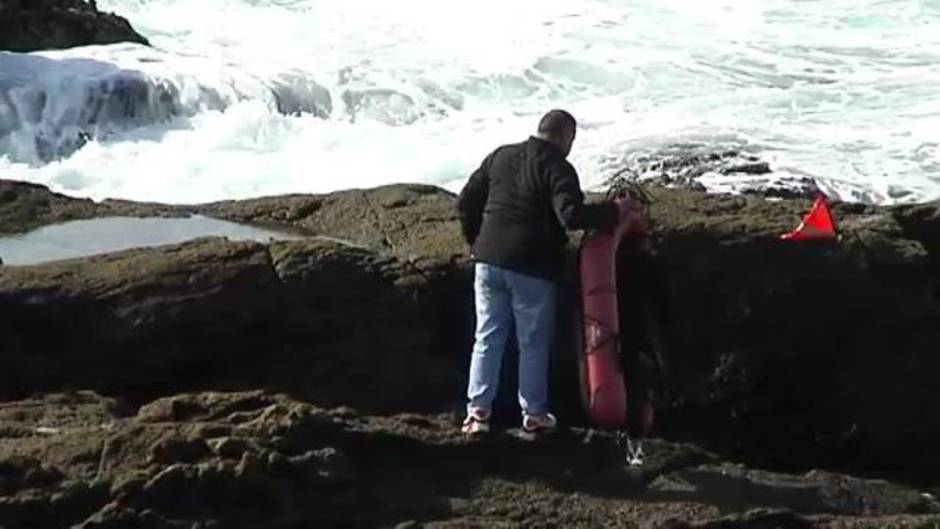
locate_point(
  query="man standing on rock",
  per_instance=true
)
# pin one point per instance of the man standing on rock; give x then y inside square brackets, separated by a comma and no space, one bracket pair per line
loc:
[514,211]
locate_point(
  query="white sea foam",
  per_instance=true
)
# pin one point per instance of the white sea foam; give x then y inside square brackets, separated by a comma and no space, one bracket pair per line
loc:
[242,98]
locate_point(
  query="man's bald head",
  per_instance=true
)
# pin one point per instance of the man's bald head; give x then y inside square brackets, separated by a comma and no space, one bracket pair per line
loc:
[558,127]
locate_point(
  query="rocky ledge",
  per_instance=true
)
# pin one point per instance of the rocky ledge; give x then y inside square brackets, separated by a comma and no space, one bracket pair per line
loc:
[237,376]
[30,25]
[255,459]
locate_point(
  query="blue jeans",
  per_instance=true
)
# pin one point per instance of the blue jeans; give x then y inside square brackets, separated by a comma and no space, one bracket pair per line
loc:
[501,297]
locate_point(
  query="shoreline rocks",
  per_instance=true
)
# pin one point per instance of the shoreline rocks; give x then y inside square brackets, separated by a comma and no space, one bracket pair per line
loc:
[782,356]
[32,25]
[253,459]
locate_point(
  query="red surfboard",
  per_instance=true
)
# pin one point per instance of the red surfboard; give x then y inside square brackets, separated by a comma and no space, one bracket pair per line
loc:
[603,386]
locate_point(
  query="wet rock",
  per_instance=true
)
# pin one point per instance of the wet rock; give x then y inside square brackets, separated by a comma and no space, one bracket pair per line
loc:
[349,469]
[417,224]
[60,506]
[753,519]
[736,488]
[250,465]
[174,449]
[689,165]
[30,25]
[128,484]
[21,473]
[239,494]
[327,463]
[24,206]
[170,409]
[776,349]
[749,167]
[230,448]
[295,309]
[116,516]
[170,485]
[869,496]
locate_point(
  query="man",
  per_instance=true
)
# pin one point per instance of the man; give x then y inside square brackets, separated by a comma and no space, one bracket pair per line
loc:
[514,211]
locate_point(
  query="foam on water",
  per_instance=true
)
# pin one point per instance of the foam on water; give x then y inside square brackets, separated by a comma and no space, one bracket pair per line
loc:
[242,98]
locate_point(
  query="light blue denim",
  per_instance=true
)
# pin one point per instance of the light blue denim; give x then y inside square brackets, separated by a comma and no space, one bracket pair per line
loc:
[501,297]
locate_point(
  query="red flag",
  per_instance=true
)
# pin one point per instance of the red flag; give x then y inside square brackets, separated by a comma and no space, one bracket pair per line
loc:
[818,224]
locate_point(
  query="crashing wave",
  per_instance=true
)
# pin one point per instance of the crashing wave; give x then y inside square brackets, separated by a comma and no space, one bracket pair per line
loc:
[53,104]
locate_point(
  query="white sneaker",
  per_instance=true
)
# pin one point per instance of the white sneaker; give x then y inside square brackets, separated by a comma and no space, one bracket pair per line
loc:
[477,422]
[535,424]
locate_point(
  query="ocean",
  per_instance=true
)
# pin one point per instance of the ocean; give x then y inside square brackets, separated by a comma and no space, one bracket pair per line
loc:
[243,98]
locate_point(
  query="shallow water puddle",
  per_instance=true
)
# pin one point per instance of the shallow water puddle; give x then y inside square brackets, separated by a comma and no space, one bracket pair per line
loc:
[82,238]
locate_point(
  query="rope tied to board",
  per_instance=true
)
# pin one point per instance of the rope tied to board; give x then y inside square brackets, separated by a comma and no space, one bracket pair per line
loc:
[625,184]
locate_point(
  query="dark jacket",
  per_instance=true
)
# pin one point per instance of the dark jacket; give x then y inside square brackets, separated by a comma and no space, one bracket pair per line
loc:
[515,208]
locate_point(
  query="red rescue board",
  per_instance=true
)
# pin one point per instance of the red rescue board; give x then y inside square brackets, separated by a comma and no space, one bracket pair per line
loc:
[603,382]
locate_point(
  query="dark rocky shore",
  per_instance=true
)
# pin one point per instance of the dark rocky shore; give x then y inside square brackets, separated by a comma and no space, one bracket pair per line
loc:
[317,382]
[30,25]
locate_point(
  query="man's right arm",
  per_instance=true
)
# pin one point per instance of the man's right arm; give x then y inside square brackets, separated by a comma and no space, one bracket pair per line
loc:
[568,202]
[472,201]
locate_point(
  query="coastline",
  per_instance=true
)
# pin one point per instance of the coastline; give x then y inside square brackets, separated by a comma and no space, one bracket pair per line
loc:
[316,382]
[775,348]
